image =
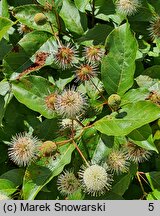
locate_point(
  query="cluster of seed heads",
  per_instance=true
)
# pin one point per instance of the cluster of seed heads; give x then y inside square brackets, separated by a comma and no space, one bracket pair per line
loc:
[93,179]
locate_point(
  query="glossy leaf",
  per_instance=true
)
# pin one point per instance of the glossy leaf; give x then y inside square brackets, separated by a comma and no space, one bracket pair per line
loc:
[7,187]
[96,35]
[136,115]
[18,59]
[14,175]
[71,17]
[5,12]
[154,195]
[5,25]
[81,5]
[134,95]
[141,133]
[32,91]
[122,184]
[118,66]
[147,144]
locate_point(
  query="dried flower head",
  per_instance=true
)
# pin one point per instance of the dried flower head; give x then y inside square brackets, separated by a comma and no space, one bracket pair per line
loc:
[22,149]
[65,56]
[22,29]
[128,7]
[94,54]
[154,28]
[70,103]
[86,71]
[95,179]
[117,161]
[136,153]
[3,196]
[50,100]
[67,183]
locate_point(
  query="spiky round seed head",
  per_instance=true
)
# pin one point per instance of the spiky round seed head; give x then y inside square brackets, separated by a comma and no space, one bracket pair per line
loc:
[50,100]
[94,54]
[154,28]
[23,149]
[128,7]
[95,179]
[136,153]
[117,161]
[114,101]
[70,103]
[47,147]
[65,56]
[40,19]
[86,71]
[3,196]
[67,183]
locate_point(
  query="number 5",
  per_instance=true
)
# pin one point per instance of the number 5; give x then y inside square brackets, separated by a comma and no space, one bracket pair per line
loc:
[151,206]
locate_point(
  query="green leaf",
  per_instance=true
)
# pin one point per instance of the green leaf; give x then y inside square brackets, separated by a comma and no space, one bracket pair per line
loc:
[47,130]
[77,195]
[141,133]
[122,183]
[118,66]
[154,195]
[144,13]
[2,109]
[81,5]
[134,95]
[5,12]
[14,175]
[105,9]
[71,17]
[96,35]
[7,187]
[4,151]
[25,14]
[135,115]
[152,72]
[153,178]
[102,149]
[5,47]
[18,59]
[146,81]
[147,144]
[5,25]
[32,91]
[37,176]
[143,137]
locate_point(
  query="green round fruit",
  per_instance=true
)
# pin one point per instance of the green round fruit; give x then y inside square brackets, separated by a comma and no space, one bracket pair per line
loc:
[40,19]
[114,101]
